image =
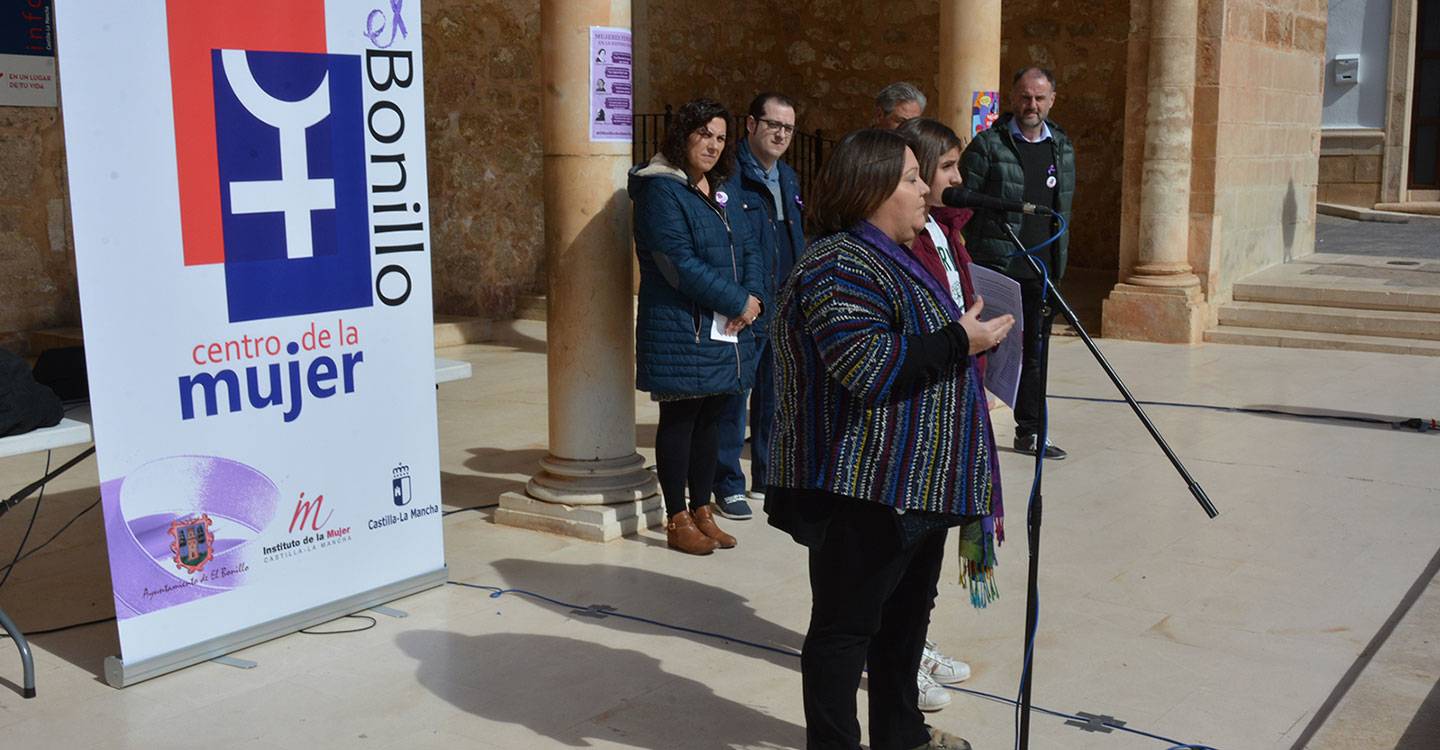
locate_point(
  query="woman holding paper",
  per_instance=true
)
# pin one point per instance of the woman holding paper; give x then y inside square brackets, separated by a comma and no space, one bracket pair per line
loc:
[881,443]
[940,246]
[701,285]
[941,249]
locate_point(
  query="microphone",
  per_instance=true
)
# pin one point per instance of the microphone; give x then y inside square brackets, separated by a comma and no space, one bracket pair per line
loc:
[959,197]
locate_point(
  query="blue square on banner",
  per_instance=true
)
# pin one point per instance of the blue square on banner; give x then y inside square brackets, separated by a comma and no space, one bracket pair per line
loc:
[289,132]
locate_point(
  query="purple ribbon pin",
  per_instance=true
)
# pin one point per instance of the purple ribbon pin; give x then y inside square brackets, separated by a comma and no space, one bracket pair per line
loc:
[373,32]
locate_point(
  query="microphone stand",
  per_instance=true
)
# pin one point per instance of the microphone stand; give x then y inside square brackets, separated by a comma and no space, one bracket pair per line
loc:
[1032,525]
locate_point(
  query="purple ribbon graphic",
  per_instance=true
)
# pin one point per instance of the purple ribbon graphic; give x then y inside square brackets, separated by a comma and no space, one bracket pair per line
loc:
[139,511]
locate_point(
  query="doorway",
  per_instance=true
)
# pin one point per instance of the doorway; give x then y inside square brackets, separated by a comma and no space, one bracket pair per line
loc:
[1425,102]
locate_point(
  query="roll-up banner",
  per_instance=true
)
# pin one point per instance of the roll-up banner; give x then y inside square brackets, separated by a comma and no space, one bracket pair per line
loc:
[248,187]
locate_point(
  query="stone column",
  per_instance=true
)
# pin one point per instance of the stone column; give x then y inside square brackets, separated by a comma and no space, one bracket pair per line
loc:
[593,484]
[1160,297]
[969,59]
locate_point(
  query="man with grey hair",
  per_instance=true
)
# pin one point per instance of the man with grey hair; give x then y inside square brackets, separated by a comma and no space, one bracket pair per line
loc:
[1025,157]
[896,103]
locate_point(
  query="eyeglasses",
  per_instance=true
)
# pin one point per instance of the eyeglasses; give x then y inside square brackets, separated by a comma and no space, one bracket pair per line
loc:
[785,129]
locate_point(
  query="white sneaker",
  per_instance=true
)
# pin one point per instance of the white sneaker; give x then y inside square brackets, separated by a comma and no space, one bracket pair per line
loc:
[933,697]
[756,495]
[943,669]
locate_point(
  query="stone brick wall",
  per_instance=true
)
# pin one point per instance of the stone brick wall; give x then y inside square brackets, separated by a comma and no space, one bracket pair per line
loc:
[834,55]
[1267,89]
[482,106]
[1088,53]
[1350,167]
[36,249]
[831,56]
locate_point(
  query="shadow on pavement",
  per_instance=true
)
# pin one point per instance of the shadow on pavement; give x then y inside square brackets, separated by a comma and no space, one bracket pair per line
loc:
[573,691]
[664,598]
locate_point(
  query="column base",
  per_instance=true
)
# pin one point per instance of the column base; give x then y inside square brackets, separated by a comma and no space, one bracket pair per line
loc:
[602,482]
[595,523]
[595,500]
[1170,315]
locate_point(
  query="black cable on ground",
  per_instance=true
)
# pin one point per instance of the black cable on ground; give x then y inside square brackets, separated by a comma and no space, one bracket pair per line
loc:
[1418,424]
[361,629]
[61,628]
[52,538]
[15,499]
[306,631]
[35,512]
[470,510]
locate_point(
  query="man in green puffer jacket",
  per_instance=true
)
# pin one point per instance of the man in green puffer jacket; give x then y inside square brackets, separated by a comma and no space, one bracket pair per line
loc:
[1024,157]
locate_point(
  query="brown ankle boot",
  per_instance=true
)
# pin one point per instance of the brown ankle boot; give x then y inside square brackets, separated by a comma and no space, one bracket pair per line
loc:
[681,534]
[705,521]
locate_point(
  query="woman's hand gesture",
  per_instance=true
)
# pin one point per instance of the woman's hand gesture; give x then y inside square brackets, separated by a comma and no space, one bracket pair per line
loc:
[985,335]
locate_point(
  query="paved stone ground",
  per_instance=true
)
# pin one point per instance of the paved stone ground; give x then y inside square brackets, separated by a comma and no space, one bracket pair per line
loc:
[1286,623]
[1418,239]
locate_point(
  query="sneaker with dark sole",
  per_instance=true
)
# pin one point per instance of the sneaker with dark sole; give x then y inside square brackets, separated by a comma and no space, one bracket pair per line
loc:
[734,508]
[1026,444]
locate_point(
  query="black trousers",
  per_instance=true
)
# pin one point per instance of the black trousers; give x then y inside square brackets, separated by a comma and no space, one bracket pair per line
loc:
[1035,349]
[686,445]
[871,604]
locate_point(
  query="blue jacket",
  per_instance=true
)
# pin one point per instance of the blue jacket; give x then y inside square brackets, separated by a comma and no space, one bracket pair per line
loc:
[693,263]
[780,238]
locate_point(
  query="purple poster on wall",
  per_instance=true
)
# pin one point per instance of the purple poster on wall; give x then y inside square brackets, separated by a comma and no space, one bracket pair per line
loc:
[611,93]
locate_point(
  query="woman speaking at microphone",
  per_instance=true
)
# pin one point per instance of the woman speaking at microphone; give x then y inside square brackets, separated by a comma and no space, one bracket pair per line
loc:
[881,443]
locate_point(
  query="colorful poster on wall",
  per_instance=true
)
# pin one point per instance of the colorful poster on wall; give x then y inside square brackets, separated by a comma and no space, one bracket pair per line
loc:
[984,111]
[250,212]
[612,96]
[27,54]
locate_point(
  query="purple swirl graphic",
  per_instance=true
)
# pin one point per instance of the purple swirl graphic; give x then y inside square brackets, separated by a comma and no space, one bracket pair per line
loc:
[141,507]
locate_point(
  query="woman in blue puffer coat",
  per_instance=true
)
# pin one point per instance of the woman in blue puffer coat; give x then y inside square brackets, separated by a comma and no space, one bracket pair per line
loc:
[701,289]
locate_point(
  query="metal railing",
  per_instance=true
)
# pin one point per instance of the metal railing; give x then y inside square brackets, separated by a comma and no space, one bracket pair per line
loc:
[806,154]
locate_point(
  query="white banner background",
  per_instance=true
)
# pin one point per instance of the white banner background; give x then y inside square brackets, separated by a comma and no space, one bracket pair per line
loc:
[145,312]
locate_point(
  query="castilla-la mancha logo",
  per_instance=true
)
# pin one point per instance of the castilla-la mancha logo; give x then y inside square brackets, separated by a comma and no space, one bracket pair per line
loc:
[192,542]
[400,484]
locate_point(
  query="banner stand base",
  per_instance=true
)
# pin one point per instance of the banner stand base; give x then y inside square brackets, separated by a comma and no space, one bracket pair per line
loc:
[235,661]
[120,674]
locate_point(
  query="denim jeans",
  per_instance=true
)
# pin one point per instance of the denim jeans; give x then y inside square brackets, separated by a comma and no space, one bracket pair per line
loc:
[729,479]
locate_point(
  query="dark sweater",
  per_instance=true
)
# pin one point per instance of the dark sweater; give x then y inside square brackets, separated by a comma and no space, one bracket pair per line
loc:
[991,164]
[1038,161]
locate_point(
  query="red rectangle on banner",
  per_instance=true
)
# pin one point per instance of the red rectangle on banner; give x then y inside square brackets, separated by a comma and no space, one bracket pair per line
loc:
[195,29]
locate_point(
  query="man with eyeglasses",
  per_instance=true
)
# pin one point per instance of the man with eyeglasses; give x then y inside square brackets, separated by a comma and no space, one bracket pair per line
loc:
[764,192]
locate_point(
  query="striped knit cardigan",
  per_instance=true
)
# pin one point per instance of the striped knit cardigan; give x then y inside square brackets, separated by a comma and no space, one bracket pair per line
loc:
[839,340]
